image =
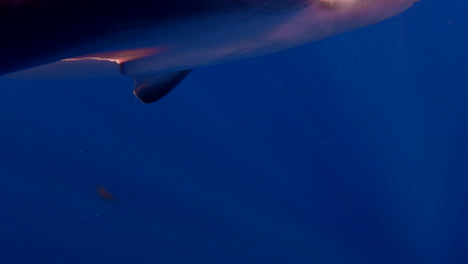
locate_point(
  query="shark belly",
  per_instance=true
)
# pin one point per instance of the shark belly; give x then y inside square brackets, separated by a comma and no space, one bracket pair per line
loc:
[160,53]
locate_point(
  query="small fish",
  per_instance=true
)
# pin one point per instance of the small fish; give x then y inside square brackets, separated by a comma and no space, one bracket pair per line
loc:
[105,194]
[159,42]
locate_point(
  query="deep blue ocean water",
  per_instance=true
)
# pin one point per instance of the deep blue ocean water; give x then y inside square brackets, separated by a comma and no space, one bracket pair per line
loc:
[349,150]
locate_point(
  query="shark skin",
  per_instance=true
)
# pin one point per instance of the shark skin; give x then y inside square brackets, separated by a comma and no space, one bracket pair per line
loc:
[158,42]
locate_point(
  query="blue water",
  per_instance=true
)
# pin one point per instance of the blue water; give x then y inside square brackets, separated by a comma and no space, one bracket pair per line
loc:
[349,150]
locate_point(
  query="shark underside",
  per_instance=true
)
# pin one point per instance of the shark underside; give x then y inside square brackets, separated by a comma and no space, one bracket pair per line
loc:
[159,42]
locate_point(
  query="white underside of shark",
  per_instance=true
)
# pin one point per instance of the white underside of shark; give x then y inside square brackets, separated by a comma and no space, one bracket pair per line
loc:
[160,57]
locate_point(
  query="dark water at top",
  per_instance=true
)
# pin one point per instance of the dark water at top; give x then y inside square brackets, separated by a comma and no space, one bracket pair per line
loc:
[349,150]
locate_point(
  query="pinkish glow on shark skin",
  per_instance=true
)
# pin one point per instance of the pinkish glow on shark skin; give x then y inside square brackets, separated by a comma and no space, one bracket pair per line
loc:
[326,18]
[121,56]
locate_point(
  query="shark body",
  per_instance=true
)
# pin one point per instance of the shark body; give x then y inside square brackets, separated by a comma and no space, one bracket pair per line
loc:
[158,42]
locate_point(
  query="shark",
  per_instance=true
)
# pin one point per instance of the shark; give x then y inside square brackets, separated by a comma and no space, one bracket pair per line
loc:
[159,42]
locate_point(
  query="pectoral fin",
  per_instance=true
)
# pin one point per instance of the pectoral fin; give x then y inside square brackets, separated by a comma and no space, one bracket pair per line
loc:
[150,88]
